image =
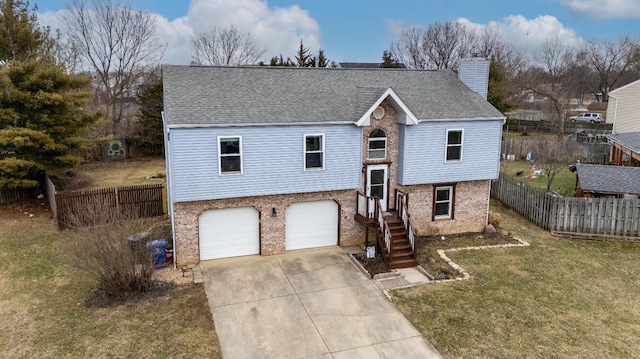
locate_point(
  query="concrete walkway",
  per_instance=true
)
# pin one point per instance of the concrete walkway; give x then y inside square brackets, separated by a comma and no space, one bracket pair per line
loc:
[305,304]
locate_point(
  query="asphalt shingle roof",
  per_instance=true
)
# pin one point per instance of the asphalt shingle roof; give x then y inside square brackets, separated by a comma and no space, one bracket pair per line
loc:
[630,140]
[196,95]
[610,179]
[365,65]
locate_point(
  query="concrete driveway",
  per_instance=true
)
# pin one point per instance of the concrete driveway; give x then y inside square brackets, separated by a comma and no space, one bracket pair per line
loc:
[305,304]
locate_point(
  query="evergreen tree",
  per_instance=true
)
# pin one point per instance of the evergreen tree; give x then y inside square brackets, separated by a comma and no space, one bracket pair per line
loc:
[21,38]
[42,106]
[41,117]
[303,57]
[498,90]
[323,61]
[388,61]
[150,101]
[280,61]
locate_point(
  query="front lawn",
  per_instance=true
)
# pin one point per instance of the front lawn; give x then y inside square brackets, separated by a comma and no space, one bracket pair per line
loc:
[557,298]
[43,312]
[427,250]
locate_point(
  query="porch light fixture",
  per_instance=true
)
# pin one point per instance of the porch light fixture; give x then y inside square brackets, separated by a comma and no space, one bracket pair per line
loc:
[273,212]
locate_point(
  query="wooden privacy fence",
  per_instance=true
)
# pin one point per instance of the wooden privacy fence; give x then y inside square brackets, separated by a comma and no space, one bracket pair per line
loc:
[586,152]
[553,126]
[13,195]
[93,207]
[577,215]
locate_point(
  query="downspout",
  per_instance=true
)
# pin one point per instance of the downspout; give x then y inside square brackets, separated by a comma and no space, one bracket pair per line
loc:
[486,221]
[615,113]
[615,117]
[168,164]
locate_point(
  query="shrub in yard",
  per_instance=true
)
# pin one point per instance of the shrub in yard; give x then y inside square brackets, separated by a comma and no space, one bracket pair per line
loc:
[113,253]
[494,219]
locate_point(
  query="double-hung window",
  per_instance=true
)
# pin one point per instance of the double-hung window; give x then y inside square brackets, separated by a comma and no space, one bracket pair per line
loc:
[313,152]
[443,197]
[230,155]
[453,150]
[377,144]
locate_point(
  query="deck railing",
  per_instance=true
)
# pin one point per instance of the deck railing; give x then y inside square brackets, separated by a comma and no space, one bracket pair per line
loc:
[366,206]
[383,226]
[402,200]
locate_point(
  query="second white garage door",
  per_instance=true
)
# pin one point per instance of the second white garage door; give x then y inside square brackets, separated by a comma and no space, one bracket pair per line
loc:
[311,224]
[229,232]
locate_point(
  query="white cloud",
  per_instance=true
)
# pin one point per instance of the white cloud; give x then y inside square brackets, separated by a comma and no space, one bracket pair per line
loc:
[605,9]
[277,29]
[393,26]
[528,35]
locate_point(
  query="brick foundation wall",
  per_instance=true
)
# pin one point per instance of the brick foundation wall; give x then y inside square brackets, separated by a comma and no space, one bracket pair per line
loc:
[272,229]
[470,211]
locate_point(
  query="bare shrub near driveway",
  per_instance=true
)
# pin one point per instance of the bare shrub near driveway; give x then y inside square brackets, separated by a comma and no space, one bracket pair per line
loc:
[111,251]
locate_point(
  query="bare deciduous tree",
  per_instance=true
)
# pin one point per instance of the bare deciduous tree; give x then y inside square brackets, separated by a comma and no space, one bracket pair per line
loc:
[442,45]
[610,61]
[439,46]
[549,77]
[225,46]
[554,156]
[118,44]
[408,48]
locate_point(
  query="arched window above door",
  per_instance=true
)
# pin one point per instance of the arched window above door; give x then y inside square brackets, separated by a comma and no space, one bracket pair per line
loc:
[377,145]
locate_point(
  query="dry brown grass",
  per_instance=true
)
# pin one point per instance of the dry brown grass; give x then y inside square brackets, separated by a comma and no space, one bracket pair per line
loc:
[42,311]
[116,173]
[556,298]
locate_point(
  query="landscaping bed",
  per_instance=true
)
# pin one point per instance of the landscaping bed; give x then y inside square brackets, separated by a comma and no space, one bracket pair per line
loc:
[427,253]
[373,266]
[427,250]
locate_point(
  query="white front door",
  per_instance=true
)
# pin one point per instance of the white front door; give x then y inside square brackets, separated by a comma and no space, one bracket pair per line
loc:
[377,184]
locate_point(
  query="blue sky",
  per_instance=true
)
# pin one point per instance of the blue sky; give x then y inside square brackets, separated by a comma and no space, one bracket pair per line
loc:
[359,30]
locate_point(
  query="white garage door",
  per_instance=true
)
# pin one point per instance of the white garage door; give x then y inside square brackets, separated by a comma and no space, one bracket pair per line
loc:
[311,224]
[229,232]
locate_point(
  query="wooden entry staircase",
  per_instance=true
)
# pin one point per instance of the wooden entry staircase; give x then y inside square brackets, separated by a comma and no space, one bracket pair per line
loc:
[401,253]
[395,236]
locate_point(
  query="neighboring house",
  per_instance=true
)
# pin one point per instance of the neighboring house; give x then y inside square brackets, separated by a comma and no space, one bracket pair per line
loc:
[608,181]
[623,109]
[625,149]
[261,160]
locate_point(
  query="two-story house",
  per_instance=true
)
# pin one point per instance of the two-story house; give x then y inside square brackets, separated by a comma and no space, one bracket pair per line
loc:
[261,160]
[624,112]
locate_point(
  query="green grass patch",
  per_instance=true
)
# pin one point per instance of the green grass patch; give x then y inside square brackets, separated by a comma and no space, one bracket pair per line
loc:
[42,309]
[556,298]
[563,183]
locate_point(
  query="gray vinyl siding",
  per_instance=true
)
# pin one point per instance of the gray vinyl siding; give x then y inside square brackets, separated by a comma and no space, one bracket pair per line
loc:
[475,74]
[272,160]
[421,158]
